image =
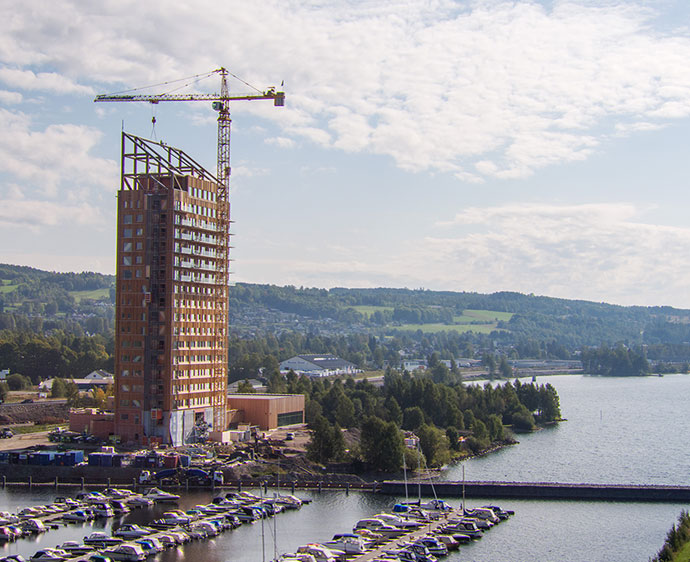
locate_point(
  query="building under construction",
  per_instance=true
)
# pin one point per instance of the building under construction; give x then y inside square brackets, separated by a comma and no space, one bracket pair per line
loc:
[172,297]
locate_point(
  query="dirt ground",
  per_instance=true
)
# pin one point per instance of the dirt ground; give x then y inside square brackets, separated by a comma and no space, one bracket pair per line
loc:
[24,441]
[300,440]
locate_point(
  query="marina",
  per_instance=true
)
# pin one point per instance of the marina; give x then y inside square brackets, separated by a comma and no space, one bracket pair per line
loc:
[414,529]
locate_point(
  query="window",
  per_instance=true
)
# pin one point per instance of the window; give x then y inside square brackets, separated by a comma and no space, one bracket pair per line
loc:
[127,233]
[127,219]
[124,388]
[124,416]
[138,260]
[290,418]
[125,372]
[140,245]
[140,218]
[127,274]
[127,260]
[127,247]
[140,231]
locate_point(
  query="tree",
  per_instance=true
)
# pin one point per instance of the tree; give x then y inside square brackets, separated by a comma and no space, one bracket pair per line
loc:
[327,442]
[18,382]
[382,444]
[434,445]
[245,387]
[453,437]
[72,394]
[412,418]
[58,389]
[504,368]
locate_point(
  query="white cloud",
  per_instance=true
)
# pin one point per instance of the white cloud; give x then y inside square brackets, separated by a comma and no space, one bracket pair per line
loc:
[56,157]
[282,142]
[492,88]
[599,251]
[10,98]
[34,214]
[49,81]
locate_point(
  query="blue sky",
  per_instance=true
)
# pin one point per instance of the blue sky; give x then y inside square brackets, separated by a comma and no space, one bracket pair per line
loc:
[539,147]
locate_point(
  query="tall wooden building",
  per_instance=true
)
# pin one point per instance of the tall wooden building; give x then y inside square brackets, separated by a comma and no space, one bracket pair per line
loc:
[172,297]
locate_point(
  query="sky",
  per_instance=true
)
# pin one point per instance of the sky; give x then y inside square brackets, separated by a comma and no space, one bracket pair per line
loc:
[538,147]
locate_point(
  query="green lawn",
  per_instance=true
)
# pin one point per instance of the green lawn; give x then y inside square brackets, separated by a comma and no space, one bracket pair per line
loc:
[7,287]
[96,294]
[485,315]
[459,328]
[369,310]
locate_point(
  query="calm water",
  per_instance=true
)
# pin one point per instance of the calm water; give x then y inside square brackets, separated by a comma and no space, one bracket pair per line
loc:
[619,430]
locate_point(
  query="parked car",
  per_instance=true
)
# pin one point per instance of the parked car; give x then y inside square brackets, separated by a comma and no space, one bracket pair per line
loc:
[6,433]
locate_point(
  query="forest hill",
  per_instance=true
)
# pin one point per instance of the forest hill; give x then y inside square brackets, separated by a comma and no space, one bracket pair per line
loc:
[451,420]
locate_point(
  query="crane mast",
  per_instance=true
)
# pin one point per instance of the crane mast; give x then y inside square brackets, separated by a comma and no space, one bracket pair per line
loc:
[221,104]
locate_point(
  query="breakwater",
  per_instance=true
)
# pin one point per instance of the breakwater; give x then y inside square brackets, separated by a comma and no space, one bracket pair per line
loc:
[83,476]
[542,491]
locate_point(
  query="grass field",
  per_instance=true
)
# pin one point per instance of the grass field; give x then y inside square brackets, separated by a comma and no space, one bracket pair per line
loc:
[369,310]
[483,316]
[96,294]
[459,328]
[7,287]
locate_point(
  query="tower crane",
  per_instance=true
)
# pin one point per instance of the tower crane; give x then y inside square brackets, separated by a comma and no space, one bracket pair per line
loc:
[221,104]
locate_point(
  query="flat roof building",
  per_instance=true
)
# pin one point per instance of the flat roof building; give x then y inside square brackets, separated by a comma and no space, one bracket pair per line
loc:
[268,411]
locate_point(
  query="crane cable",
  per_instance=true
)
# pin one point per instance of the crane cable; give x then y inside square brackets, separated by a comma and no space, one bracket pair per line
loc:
[198,76]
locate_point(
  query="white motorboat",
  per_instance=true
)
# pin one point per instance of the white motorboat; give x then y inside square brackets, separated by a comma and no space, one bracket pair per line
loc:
[102,510]
[33,526]
[131,532]
[78,516]
[126,552]
[76,549]
[99,538]
[158,495]
[287,501]
[319,552]
[483,513]
[378,527]
[435,546]
[400,522]
[49,555]
[349,543]
[139,501]
[429,505]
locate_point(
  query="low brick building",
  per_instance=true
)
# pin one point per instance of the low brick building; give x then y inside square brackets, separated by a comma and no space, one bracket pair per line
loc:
[268,411]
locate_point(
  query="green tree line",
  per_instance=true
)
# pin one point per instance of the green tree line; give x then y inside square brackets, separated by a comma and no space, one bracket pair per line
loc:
[438,413]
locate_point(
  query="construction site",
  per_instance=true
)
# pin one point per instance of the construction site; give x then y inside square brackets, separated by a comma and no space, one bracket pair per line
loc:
[171,342]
